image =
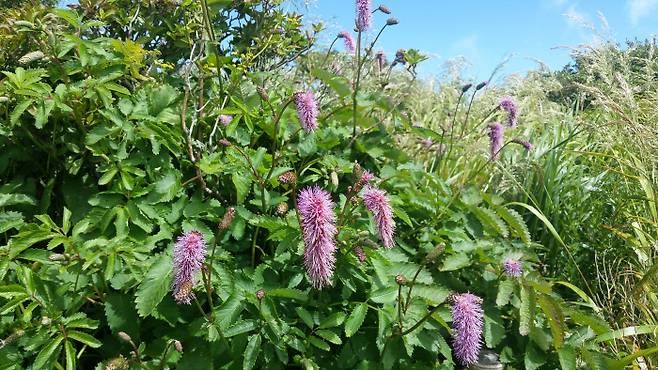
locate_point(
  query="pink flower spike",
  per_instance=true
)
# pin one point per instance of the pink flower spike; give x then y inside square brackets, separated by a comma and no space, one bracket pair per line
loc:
[363,14]
[348,40]
[189,255]
[318,230]
[377,202]
[307,110]
[467,325]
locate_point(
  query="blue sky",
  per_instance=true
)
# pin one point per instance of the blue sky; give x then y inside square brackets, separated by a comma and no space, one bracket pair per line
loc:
[487,32]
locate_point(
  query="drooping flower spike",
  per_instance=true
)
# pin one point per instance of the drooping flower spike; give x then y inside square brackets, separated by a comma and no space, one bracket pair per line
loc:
[525,143]
[508,104]
[318,230]
[348,40]
[496,139]
[189,255]
[307,110]
[467,327]
[377,202]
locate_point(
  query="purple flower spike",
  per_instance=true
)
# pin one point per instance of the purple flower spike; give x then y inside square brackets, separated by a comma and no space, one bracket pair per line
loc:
[307,110]
[348,40]
[363,14]
[377,202]
[318,229]
[496,139]
[189,254]
[525,143]
[467,327]
[512,267]
[509,105]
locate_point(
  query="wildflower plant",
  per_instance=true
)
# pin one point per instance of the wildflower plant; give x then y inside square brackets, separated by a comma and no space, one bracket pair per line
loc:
[171,198]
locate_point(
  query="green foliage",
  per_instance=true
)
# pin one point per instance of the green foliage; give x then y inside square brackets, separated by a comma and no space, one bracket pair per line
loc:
[117,142]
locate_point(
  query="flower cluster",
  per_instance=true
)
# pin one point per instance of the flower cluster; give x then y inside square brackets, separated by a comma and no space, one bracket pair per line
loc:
[318,224]
[377,202]
[189,254]
[467,327]
[525,143]
[496,139]
[508,104]
[512,267]
[307,110]
[363,15]
[348,40]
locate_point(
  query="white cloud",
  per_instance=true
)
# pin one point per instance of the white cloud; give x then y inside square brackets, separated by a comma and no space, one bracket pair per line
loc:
[639,8]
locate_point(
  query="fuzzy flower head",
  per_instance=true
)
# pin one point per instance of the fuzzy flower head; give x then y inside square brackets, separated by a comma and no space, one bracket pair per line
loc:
[225,119]
[508,104]
[467,327]
[348,40]
[318,230]
[189,254]
[363,14]
[307,110]
[512,267]
[496,139]
[525,143]
[377,202]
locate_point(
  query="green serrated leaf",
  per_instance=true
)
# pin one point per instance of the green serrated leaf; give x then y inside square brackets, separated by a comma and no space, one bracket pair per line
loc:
[333,320]
[515,222]
[154,286]
[505,290]
[251,352]
[319,343]
[491,220]
[47,352]
[527,310]
[329,336]
[241,327]
[83,338]
[305,316]
[354,321]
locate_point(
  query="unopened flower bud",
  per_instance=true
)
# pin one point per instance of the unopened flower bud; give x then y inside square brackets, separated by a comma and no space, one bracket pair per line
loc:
[384,9]
[466,87]
[434,253]
[178,346]
[260,294]
[227,219]
[481,85]
[4,99]
[45,320]
[124,336]
[392,21]
[224,142]
[400,279]
[288,178]
[56,257]
[334,178]
[282,208]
